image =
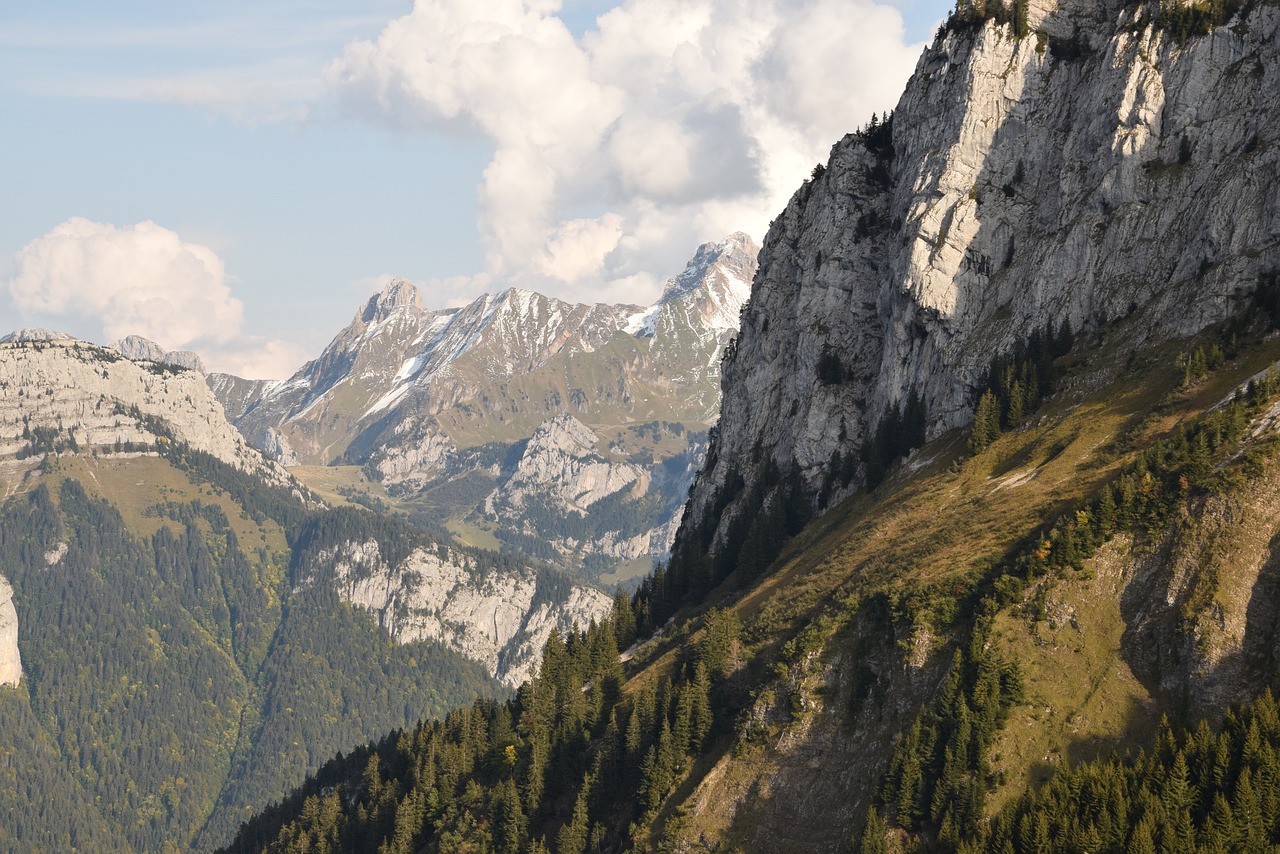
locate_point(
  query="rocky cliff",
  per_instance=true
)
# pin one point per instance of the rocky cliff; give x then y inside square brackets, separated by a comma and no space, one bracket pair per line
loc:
[499,619]
[1100,166]
[10,657]
[66,395]
[139,349]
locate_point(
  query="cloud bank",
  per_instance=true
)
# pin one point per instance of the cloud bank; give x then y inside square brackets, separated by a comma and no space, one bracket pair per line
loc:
[615,153]
[104,282]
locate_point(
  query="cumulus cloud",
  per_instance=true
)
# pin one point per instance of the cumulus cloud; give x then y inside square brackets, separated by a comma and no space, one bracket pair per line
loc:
[142,280]
[256,357]
[669,123]
[105,282]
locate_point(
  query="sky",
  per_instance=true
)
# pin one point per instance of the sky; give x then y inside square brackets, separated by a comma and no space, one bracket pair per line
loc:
[237,177]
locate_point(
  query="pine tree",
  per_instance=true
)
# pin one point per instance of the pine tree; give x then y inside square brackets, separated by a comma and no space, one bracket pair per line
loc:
[572,838]
[873,835]
[986,420]
[1016,400]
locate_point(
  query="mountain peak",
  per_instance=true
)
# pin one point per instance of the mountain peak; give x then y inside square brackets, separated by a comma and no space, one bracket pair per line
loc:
[35,333]
[398,295]
[136,348]
[736,254]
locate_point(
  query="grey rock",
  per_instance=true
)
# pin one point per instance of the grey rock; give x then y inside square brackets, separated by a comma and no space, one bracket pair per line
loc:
[137,348]
[10,658]
[90,398]
[35,333]
[497,619]
[1027,186]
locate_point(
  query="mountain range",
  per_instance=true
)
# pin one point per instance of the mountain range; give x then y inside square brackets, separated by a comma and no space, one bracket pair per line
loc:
[186,630]
[570,432]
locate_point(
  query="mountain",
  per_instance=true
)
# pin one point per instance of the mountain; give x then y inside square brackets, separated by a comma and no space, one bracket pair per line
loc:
[453,412]
[186,630]
[1067,181]
[983,555]
[58,393]
[139,349]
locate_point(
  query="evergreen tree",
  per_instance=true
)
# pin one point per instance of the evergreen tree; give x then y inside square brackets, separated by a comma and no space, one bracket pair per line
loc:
[986,420]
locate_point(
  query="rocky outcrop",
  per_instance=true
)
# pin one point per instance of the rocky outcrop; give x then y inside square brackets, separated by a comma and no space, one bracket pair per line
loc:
[556,494]
[407,466]
[10,658]
[276,446]
[562,462]
[1202,601]
[67,395]
[139,349]
[1095,169]
[35,333]
[501,620]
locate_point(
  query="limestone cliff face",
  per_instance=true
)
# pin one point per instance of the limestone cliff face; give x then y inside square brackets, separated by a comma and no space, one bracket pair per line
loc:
[578,496]
[1096,170]
[561,462]
[139,349]
[67,395]
[10,658]
[501,620]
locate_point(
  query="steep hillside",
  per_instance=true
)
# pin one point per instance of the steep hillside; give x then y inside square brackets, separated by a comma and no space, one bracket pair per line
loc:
[1104,164]
[183,631]
[936,648]
[453,412]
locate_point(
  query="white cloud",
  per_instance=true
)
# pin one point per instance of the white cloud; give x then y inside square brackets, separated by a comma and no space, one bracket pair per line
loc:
[672,122]
[256,358]
[104,283]
[140,280]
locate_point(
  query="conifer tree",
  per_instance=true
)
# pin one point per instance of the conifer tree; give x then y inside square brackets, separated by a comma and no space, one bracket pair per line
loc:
[986,419]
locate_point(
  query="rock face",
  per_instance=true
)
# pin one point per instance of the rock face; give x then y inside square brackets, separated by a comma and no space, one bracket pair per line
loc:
[139,349]
[424,398]
[10,658]
[1098,170]
[501,620]
[571,492]
[560,461]
[66,395]
[36,333]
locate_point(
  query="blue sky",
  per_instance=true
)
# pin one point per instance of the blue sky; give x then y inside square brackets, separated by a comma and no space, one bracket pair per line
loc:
[236,176]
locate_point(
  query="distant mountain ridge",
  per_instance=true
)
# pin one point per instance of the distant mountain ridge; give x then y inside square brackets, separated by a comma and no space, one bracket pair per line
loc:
[192,611]
[424,398]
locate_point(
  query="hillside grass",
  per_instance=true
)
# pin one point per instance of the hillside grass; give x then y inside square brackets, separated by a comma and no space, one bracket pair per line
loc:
[330,482]
[924,538]
[132,484]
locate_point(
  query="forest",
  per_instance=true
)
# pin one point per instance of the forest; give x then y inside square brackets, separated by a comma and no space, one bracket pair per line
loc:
[176,678]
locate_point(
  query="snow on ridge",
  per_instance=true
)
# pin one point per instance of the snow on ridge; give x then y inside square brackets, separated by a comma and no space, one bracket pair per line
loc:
[387,400]
[643,324]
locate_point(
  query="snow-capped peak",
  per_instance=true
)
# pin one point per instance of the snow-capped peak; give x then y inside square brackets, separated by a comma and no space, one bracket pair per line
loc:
[398,295]
[736,254]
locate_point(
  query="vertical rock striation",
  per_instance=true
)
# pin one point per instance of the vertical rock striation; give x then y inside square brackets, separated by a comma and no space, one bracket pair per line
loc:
[1094,169]
[10,658]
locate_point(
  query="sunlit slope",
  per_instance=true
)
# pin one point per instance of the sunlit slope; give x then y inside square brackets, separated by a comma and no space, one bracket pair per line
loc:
[878,593]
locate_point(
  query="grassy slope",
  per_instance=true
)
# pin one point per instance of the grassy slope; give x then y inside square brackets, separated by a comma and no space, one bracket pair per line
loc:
[934,526]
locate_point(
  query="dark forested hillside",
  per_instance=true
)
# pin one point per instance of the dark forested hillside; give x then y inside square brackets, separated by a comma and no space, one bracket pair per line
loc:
[175,674]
